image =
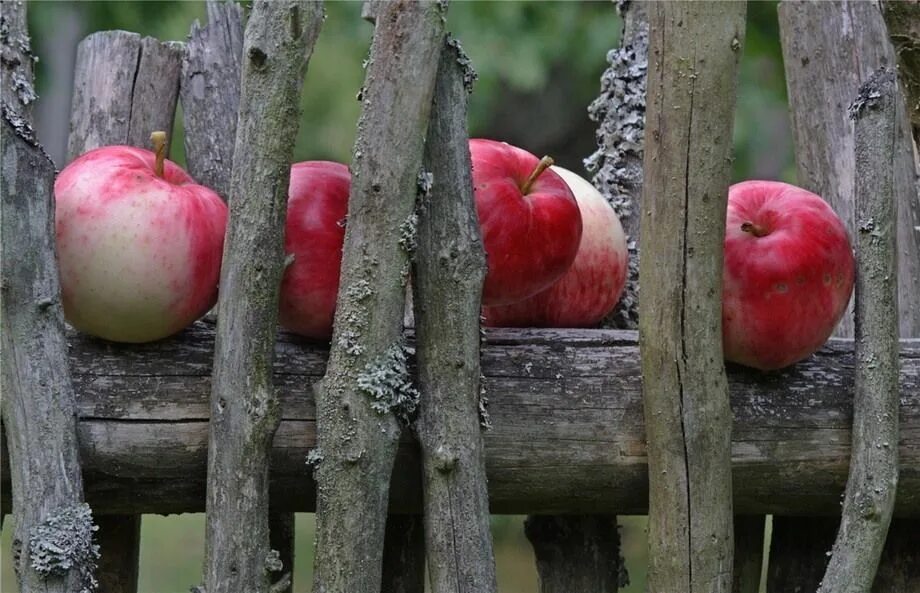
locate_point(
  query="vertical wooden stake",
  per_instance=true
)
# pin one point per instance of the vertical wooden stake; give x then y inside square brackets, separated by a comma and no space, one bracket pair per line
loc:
[694,49]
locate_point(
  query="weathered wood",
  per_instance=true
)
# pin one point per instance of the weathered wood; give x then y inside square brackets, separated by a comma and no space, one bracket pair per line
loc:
[281,540]
[903,22]
[617,162]
[404,555]
[52,545]
[277,46]
[829,49]
[366,390]
[210,94]
[565,403]
[119,539]
[694,50]
[899,569]
[748,562]
[580,553]
[873,478]
[125,87]
[449,268]
[799,552]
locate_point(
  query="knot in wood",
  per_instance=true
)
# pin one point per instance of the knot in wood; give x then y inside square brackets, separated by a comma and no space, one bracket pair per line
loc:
[445,459]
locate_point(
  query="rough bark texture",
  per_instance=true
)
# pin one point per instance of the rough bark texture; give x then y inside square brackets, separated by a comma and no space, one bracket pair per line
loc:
[576,554]
[620,114]
[903,22]
[564,403]
[449,268]
[404,555]
[829,50]
[52,546]
[748,553]
[366,389]
[125,87]
[210,94]
[245,412]
[873,479]
[693,56]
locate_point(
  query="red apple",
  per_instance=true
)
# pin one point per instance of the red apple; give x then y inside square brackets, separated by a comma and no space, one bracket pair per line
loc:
[139,246]
[531,226]
[591,287]
[788,274]
[314,234]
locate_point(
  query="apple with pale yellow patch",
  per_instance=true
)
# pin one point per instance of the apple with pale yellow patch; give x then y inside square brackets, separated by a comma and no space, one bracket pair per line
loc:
[139,243]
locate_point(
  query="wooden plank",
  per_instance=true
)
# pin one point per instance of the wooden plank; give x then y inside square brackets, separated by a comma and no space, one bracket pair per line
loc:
[694,50]
[564,402]
[575,553]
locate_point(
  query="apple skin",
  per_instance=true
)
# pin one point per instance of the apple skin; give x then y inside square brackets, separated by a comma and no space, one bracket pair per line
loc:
[314,234]
[530,240]
[592,286]
[139,254]
[783,293]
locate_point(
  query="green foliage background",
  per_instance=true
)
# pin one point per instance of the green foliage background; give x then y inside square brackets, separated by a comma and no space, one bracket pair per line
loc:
[539,65]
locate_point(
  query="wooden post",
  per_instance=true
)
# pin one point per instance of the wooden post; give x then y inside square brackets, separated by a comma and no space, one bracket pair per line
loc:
[366,388]
[404,555]
[277,46]
[450,266]
[210,94]
[125,87]
[748,564]
[901,20]
[873,479]
[579,553]
[53,550]
[694,49]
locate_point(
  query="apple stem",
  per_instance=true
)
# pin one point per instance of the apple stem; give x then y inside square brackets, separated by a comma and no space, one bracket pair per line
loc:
[756,230]
[544,164]
[159,147]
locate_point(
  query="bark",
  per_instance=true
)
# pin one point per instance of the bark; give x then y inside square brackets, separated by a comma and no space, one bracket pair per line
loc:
[210,94]
[125,87]
[366,388]
[580,553]
[245,412]
[748,553]
[829,49]
[694,50]
[617,162]
[404,555]
[450,266]
[903,22]
[52,545]
[565,403]
[873,479]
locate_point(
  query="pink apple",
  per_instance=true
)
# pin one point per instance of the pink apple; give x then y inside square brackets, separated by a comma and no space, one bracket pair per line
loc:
[531,226]
[139,251]
[788,274]
[314,235]
[591,287]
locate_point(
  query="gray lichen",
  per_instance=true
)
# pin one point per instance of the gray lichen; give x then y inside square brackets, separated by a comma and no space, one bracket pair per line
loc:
[485,421]
[388,382]
[408,234]
[619,111]
[273,561]
[871,91]
[64,542]
[466,64]
[424,182]
[314,458]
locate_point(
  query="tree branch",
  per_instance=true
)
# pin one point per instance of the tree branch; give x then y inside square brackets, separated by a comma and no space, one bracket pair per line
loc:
[244,415]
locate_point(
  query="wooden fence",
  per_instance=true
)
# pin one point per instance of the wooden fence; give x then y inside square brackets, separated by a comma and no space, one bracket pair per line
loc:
[584,423]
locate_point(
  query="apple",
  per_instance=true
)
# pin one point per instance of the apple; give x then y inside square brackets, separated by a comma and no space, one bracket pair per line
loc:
[314,234]
[530,222]
[592,286]
[139,243]
[787,277]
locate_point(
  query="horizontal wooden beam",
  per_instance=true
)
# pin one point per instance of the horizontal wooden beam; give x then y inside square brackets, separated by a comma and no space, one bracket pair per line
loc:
[567,432]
